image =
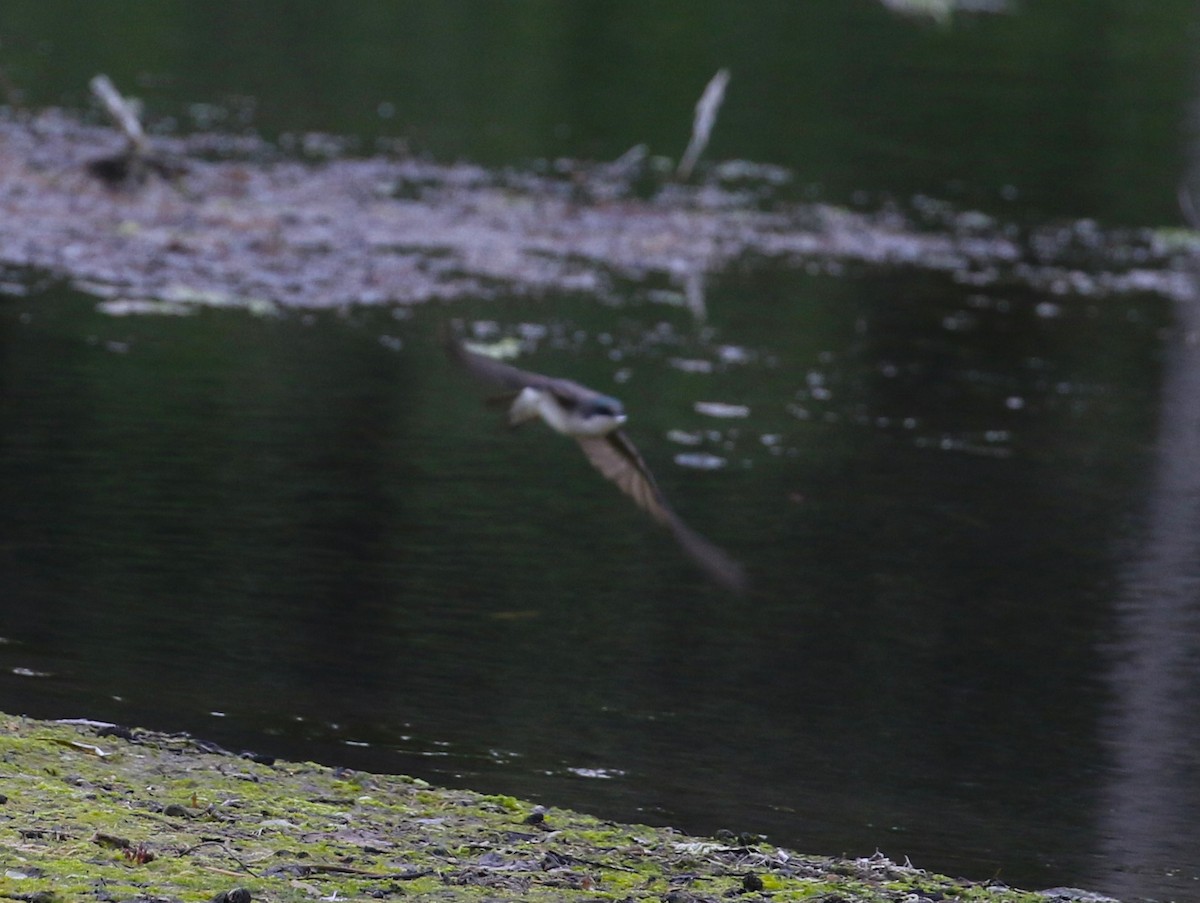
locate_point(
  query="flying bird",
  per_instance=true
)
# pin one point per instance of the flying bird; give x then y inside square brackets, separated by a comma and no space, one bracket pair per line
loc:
[594,421]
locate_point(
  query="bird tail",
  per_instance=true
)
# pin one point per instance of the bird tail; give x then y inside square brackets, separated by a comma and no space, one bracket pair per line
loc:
[713,560]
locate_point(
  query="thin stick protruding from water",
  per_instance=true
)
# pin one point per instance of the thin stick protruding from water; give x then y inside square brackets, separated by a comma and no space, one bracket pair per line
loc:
[121,111]
[702,126]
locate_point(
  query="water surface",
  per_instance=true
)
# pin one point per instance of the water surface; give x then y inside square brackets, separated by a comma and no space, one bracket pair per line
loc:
[969,513]
[306,534]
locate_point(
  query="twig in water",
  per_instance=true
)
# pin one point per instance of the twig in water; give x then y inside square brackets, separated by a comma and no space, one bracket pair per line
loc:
[121,111]
[138,160]
[1188,207]
[702,126]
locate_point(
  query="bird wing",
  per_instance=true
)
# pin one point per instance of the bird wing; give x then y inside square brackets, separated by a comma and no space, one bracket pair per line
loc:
[619,461]
[513,378]
[616,458]
[488,369]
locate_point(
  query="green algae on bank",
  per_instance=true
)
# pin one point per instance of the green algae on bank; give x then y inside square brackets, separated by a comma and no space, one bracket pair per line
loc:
[97,812]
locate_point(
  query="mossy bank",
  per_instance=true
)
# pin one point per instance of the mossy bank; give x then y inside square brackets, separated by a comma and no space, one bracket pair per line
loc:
[98,812]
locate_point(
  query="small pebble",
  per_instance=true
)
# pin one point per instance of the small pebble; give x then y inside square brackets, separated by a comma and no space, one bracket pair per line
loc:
[237,895]
[537,816]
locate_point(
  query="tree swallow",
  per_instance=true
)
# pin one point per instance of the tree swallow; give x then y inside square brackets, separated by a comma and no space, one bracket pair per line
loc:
[594,421]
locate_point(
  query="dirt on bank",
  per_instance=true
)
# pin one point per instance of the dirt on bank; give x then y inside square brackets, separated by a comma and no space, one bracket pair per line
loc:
[90,811]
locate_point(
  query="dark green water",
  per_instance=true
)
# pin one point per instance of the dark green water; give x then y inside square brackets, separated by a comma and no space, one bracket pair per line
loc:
[969,515]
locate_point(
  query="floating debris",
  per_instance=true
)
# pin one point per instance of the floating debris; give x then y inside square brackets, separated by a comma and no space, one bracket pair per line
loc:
[603,774]
[734,354]
[30,672]
[246,224]
[124,307]
[720,409]
[700,461]
[186,294]
[682,437]
[667,296]
[691,365]
[941,11]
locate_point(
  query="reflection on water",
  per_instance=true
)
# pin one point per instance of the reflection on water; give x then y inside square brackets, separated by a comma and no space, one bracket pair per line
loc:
[1148,808]
[305,535]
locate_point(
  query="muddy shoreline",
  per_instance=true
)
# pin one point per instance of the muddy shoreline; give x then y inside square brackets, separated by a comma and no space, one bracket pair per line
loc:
[246,225]
[94,811]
